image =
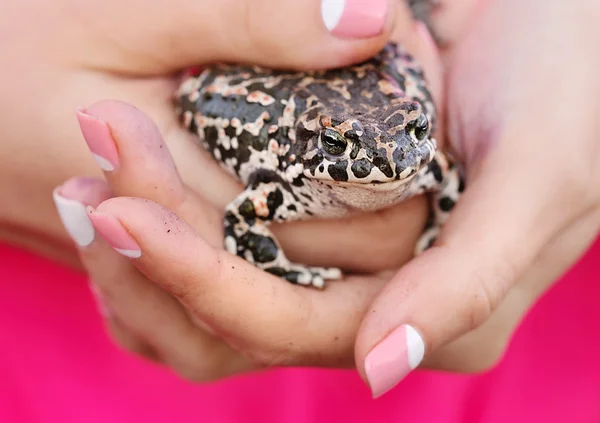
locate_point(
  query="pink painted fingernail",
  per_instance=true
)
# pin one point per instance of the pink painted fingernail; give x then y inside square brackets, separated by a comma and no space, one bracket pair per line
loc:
[354,18]
[393,358]
[114,233]
[100,303]
[99,140]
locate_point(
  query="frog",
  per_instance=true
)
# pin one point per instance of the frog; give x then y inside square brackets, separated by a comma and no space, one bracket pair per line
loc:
[319,144]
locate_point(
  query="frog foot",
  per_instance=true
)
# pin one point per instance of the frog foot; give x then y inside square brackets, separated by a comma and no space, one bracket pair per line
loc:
[308,276]
[247,233]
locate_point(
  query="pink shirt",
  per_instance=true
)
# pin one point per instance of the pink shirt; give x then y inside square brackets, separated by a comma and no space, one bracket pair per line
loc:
[57,365]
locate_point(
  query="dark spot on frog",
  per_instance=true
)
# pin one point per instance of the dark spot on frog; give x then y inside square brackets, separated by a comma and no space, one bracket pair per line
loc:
[383,165]
[230,131]
[321,168]
[410,106]
[274,200]
[307,196]
[211,135]
[355,150]
[446,204]
[313,113]
[313,163]
[361,168]
[436,171]
[263,248]
[289,276]
[337,171]
[395,120]
[246,210]
[338,120]
[303,134]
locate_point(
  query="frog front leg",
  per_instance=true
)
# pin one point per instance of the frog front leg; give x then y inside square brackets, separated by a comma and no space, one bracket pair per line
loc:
[247,234]
[444,183]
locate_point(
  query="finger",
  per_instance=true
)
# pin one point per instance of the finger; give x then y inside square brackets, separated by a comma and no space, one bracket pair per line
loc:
[130,149]
[119,333]
[308,34]
[481,349]
[148,320]
[71,199]
[225,291]
[455,286]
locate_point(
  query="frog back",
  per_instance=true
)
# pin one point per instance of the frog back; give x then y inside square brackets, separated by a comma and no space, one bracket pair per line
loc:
[241,115]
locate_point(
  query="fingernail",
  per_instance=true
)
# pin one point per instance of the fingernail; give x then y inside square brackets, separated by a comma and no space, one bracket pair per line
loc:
[99,140]
[354,18]
[114,233]
[100,303]
[393,358]
[74,218]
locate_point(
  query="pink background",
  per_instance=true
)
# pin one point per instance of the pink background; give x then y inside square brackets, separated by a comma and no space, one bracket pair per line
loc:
[57,365]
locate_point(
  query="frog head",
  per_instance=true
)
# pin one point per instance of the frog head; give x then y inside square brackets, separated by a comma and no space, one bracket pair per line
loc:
[368,151]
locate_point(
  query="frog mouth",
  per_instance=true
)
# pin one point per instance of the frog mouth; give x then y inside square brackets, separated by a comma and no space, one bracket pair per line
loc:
[405,170]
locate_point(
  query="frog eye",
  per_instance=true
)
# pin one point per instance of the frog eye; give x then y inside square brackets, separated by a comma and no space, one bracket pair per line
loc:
[333,143]
[421,126]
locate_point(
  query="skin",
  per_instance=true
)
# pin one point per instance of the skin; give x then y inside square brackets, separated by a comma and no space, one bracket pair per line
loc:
[109,59]
[488,287]
[98,65]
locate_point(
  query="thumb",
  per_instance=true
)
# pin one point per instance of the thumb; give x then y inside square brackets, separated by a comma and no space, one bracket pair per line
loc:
[163,36]
[505,217]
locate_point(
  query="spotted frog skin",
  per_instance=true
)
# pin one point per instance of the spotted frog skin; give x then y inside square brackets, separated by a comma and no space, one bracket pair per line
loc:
[318,144]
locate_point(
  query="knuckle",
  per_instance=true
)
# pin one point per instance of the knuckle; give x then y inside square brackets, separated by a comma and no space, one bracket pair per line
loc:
[260,43]
[490,287]
[250,39]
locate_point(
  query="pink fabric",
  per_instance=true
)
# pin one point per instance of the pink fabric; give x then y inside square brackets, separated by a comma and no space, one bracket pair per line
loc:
[57,365]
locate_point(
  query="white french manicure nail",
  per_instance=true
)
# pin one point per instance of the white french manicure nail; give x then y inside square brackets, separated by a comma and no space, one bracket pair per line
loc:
[331,11]
[75,219]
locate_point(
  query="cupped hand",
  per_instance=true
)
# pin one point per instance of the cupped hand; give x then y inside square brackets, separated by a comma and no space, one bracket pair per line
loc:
[183,301]
[169,290]
[522,111]
[134,51]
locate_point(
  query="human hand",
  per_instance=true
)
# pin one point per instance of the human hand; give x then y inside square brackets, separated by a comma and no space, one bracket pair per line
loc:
[520,113]
[173,294]
[145,319]
[134,51]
